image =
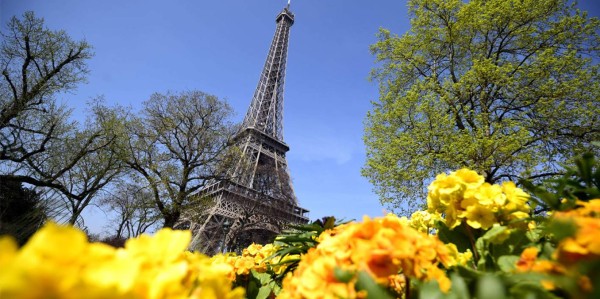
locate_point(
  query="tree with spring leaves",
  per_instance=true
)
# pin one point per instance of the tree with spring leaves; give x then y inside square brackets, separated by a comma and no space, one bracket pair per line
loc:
[36,64]
[178,144]
[508,88]
[133,209]
[39,144]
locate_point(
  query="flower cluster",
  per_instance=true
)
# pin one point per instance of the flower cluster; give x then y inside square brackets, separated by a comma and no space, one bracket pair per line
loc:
[463,196]
[585,244]
[59,262]
[255,257]
[457,257]
[387,248]
[529,262]
[424,221]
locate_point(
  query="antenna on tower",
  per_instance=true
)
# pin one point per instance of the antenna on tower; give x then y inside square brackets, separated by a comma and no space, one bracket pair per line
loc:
[288,6]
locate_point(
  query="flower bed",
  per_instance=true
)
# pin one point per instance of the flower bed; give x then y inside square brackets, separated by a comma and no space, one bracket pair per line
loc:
[475,240]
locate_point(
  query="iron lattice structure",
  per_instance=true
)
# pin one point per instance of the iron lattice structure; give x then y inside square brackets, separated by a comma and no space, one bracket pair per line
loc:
[258,201]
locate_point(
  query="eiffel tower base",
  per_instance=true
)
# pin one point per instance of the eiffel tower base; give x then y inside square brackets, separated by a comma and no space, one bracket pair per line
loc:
[237,217]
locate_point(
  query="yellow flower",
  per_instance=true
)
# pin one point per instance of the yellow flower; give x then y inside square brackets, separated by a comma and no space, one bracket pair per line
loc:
[453,215]
[253,249]
[70,244]
[463,196]
[486,195]
[470,178]
[243,265]
[58,262]
[8,249]
[480,217]
[256,257]
[423,221]
[445,189]
[516,197]
[165,246]
[458,258]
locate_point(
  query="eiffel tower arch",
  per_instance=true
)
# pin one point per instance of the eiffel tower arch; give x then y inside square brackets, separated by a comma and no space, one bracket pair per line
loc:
[258,201]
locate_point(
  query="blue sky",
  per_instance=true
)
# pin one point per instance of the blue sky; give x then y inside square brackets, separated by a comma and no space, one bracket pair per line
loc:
[219,47]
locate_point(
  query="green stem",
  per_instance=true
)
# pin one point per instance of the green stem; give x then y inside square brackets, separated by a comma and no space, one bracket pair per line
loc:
[472,240]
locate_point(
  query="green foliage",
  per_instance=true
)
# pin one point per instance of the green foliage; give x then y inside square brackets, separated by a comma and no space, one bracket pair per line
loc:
[39,144]
[177,145]
[292,244]
[298,240]
[36,63]
[460,236]
[506,88]
[494,274]
[261,286]
[581,182]
[490,250]
[367,283]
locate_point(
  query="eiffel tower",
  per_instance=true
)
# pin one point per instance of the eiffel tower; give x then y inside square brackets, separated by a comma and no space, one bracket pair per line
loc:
[259,199]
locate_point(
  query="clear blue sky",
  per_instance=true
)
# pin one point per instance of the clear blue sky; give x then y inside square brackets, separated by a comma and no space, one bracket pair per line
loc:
[219,47]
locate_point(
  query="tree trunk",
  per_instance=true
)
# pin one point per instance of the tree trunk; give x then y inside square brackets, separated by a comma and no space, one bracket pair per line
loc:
[171,219]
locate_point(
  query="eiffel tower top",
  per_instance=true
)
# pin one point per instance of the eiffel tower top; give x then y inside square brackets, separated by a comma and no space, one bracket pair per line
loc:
[266,110]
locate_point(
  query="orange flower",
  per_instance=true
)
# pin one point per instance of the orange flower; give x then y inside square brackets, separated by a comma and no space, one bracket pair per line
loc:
[585,244]
[582,247]
[383,247]
[528,258]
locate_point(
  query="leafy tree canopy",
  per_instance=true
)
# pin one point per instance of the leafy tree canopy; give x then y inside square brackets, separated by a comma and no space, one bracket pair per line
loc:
[509,88]
[178,145]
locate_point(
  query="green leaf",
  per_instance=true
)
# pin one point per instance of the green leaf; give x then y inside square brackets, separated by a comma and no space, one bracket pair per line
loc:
[534,235]
[286,251]
[561,229]
[467,272]
[343,275]
[264,292]
[459,287]
[494,232]
[275,287]
[507,263]
[514,244]
[431,290]
[490,287]
[263,278]
[456,236]
[252,288]
[374,291]
[529,289]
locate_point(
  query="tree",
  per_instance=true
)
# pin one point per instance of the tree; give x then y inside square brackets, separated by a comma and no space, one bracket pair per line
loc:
[178,145]
[507,88]
[36,64]
[22,211]
[133,208]
[79,184]
[39,145]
